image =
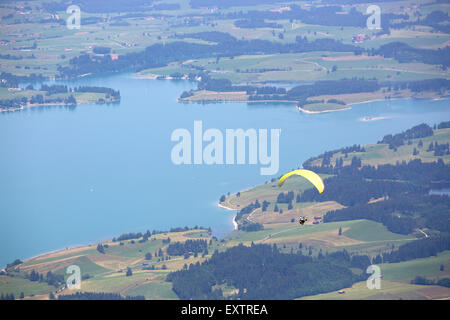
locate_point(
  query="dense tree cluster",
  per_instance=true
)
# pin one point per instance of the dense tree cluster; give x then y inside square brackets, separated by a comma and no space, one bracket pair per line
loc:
[50,90]
[248,209]
[327,155]
[187,247]
[285,197]
[435,19]
[404,187]
[129,236]
[420,131]
[444,282]
[444,125]
[261,272]
[13,264]
[256,23]
[7,296]
[330,15]
[51,278]
[352,190]
[36,99]
[158,55]
[302,92]
[100,6]
[8,80]
[439,149]
[227,4]
[101,50]
[386,212]
[249,226]
[422,248]
[108,91]
[404,53]
[54,89]
[148,234]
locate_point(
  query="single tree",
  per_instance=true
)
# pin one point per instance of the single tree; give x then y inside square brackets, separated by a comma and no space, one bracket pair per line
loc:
[129,272]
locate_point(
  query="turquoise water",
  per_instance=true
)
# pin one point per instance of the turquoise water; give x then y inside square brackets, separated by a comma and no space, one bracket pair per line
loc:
[79,175]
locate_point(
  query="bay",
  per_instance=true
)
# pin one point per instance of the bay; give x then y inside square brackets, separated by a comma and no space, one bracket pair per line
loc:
[71,176]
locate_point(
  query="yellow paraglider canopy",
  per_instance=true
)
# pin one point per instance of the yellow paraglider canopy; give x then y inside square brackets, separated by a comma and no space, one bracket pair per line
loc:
[311,176]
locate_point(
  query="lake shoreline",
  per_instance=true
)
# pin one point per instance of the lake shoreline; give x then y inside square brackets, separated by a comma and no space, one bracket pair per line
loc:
[92,245]
[54,104]
[124,103]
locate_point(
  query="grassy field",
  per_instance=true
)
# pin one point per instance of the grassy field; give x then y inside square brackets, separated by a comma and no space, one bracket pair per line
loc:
[359,236]
[105,272]
[322,107]
[369,231]
[268,191]
[304,67]
[325,235]
[18,285]
[376,154]
[156,290]
[395,282]
[44,44]
[80,97]
[212,96]
[426,267]
[390,290]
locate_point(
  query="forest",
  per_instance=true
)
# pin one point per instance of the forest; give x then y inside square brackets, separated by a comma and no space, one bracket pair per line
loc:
[300,93]
[404,53]
[158,55]
[324,16]
[260,272]
[422,248]
[49,90]
[187,247]
[8,80]
[404,186]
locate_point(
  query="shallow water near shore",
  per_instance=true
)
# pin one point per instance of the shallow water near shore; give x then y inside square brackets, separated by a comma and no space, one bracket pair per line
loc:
[80,175]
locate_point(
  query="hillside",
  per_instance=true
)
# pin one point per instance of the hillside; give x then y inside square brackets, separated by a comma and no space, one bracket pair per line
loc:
[138,264]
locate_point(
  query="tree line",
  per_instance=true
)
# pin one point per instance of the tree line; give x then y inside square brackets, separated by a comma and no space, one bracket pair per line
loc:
[260,272]
[187,247]
[98,296]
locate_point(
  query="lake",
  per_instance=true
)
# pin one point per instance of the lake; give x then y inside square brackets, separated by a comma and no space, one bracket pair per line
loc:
[72,176]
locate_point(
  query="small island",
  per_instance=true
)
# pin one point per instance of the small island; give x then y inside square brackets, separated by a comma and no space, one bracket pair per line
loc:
[319,97]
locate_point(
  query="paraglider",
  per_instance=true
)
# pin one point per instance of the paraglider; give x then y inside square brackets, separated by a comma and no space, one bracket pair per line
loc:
[312,177]
[302,220]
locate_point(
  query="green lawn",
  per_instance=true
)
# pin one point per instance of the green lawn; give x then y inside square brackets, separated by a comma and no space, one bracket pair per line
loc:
[425,267]
[16,285]
[87,267]
[389,290]
[363,230]
[135,250]
[157,290]
[366,230]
